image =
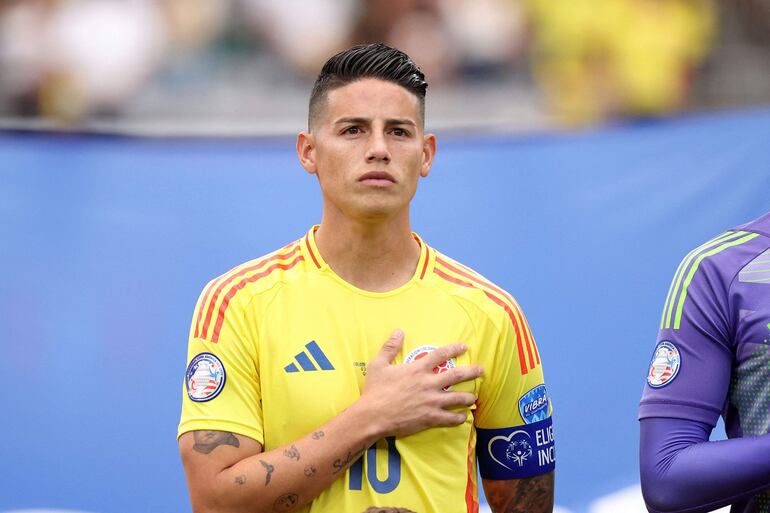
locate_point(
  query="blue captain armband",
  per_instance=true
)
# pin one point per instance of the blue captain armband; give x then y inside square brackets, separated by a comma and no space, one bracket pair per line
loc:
[516,452]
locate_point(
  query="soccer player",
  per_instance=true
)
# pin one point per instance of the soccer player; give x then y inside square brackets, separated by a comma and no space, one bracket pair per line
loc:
[343,372]
[712,358]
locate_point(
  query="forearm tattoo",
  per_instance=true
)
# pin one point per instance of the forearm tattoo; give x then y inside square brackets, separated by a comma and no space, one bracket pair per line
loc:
[317,435]
[240,480]
[269,469]
[207,441]
[310,470]
[292,452]
[285,502]
[342,463]
[530,495]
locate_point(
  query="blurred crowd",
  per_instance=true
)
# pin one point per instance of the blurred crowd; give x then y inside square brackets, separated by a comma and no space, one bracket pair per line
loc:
[590,60]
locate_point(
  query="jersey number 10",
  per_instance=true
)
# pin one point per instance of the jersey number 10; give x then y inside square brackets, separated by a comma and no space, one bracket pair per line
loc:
[386,485]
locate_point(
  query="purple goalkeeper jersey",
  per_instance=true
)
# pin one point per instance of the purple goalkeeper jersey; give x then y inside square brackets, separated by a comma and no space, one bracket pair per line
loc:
[712,355]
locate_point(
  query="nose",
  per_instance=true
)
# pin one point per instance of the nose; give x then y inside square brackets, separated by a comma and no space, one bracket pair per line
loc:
[377,149]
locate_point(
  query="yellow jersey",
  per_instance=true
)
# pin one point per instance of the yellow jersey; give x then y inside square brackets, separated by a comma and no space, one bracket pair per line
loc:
[278,346]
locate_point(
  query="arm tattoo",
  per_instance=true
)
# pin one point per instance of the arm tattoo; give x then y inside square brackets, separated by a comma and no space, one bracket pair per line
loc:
[528,495]
[285,502]
[342,463]
[317,435]
[292,453]
[240,479]
[207,441]
[310,470]
[269,469]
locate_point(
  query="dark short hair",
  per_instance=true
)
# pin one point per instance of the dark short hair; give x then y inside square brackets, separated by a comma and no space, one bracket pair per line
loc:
[375,60]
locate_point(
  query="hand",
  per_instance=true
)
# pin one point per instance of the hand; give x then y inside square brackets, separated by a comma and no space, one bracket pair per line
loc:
[408,398]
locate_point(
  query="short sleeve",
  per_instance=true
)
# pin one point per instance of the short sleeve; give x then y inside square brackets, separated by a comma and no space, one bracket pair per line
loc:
[688,375]
[513,415]
[221,389]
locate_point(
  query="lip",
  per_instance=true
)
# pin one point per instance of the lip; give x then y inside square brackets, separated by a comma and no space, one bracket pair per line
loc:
[377,176]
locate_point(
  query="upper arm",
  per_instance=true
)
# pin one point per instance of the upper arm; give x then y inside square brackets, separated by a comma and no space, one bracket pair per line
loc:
[205,454]
[527,495]
[513,418]
[222,388]
[221,420]
[688,376]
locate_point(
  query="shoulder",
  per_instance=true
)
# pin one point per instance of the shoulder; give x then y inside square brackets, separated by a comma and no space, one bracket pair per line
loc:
[243,283]
[472,288]
[705,275]
[495,307]
[760,225]
[724,256]
[263,273]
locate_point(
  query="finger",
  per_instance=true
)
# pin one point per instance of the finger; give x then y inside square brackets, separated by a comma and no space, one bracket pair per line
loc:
[442,354]
[449,418]
[458,375]
[389,349]
[454,399]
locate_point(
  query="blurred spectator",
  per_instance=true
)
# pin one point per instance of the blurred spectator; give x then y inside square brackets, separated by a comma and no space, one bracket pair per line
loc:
[446,37]
[64,59]
[618,57]
[73,60]
[304,34]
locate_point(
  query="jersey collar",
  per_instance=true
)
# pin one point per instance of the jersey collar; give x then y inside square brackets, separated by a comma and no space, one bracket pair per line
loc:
[314,258]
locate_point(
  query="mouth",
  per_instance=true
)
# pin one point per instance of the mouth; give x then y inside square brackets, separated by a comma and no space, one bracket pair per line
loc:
[380,178]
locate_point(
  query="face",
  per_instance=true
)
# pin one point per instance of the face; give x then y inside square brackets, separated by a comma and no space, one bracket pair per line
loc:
[368,149]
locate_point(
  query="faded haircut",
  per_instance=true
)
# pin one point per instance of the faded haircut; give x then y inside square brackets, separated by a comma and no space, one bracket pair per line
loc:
[375,60]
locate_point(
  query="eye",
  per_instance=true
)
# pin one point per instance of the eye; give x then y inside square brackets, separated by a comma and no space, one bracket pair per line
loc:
[352,130]
[400,132]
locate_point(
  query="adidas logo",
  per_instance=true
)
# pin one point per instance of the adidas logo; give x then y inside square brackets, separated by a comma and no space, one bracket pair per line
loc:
[306,363]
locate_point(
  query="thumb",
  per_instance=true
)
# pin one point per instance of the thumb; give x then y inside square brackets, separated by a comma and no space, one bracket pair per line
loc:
[389,350]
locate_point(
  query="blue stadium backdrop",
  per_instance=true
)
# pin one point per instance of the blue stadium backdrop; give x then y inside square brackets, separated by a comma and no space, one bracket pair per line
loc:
[105,243]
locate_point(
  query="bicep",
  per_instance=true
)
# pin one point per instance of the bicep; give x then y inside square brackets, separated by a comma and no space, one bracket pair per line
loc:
[527,495]
[206,454]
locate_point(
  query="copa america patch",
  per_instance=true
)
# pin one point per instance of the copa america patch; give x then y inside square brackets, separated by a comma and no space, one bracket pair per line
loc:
[205,377]
[533,406]
[665,364]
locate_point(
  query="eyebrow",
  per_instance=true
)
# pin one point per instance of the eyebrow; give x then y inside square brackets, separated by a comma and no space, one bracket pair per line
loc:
[366,121]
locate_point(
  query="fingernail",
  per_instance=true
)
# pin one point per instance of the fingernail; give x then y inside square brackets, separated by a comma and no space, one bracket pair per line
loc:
[398,333]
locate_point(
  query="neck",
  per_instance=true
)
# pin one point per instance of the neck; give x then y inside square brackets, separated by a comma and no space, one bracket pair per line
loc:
[377,256]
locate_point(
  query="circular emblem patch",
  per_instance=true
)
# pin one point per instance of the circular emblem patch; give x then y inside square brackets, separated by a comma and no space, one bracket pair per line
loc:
[422,351]
[665,364]
[205,377]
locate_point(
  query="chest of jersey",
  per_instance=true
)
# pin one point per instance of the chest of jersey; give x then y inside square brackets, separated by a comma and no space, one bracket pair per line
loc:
[315,343]
[749,391]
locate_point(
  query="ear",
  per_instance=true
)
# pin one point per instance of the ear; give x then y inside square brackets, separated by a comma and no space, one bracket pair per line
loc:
[306,151]
[428,152]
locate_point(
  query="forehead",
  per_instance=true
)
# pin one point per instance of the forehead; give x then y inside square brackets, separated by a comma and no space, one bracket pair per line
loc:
[372,98]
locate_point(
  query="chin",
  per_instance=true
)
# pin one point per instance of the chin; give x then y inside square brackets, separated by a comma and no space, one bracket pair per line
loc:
[376,211]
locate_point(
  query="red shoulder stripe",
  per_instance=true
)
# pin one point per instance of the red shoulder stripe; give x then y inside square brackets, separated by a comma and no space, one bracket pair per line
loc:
[228,279]
[519,345]
[471,504]
[425,264]
[310,250]
[467,273]
[240,285]
[534,346]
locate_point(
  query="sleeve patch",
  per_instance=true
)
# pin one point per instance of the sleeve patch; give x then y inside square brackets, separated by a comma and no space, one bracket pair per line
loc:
[205,377]
[665,364]
[516,452]
[533,406]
